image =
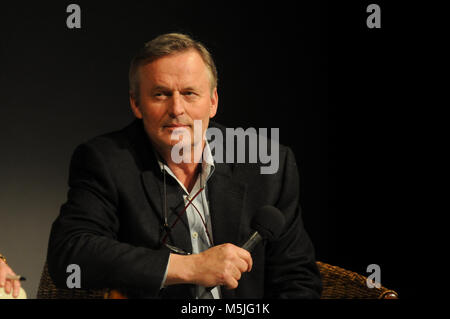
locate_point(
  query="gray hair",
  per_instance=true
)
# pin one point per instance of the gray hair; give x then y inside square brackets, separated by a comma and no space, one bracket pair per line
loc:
[164,45]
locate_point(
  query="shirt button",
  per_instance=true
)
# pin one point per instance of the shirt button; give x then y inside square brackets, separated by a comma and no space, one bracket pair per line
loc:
[194,235]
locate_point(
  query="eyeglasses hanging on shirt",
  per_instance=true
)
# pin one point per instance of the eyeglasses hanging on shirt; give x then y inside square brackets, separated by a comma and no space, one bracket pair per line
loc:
[168,228]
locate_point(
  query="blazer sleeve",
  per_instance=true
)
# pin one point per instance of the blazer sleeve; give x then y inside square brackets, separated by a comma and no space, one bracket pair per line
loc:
[85,233]
[291,270]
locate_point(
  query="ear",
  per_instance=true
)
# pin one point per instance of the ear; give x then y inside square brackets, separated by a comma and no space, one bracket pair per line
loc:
[214,103]
[135,107]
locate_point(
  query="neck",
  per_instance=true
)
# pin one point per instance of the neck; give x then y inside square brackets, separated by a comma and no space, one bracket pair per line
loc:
[187,170]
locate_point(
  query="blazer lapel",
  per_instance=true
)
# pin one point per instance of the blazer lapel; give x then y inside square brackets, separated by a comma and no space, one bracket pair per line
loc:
[154,188]
[153,193]
[226,198]
[180,233]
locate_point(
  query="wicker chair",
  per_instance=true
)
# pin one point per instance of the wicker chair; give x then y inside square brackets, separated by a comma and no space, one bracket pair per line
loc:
[338,283]
[48,290]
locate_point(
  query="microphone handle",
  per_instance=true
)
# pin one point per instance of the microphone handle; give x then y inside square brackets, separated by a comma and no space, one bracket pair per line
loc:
[252,242]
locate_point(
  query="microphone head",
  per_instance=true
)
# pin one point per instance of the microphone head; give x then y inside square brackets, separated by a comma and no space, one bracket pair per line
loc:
[268,222]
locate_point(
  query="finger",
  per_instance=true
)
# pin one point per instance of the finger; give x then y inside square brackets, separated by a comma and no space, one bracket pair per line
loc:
[8,287]
[4,269]
[245,255]
[241,265]
[230,282]
[235,272]
[16,288]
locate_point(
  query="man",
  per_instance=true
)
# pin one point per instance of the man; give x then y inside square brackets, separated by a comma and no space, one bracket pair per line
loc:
[140,220]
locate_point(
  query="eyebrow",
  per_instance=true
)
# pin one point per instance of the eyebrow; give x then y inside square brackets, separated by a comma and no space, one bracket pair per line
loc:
[164,88]
[160,87]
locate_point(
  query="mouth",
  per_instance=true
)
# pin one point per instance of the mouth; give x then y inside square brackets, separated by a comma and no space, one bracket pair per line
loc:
[174,126]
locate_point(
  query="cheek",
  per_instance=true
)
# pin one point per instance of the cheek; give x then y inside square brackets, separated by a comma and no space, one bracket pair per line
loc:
[152,114]
[200,111]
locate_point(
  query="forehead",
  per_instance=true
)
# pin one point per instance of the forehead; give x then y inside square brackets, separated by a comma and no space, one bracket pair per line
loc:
[187,66]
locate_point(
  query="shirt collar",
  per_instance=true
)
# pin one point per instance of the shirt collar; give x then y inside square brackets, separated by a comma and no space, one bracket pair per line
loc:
[207,164]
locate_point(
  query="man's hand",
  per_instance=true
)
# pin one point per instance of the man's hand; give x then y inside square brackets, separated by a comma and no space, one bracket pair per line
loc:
[220,265]
[8,283]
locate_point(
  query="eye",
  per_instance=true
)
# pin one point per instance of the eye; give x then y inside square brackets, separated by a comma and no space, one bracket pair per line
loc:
[161,95]
[189,93]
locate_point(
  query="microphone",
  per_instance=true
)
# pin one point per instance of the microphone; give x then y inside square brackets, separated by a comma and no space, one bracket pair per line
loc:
[268,224]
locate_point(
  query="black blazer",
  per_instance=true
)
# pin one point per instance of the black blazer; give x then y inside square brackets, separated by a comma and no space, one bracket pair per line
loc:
[111,223]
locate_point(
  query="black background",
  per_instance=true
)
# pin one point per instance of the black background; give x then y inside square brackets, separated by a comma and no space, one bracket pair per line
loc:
[335,88]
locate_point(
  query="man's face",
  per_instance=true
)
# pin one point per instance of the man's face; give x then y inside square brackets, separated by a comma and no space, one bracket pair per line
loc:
[174,91]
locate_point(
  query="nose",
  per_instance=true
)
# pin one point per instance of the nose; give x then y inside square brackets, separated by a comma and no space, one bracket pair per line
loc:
[176,106]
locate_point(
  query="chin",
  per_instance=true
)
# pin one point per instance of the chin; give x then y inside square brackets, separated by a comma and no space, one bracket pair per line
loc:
[171,143]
